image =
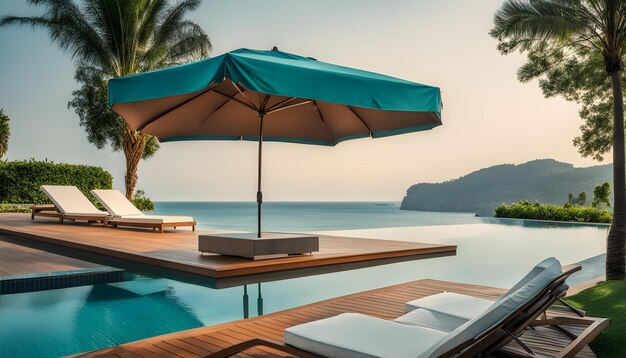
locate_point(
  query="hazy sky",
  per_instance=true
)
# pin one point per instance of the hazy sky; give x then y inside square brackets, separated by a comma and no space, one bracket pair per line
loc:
[489,117]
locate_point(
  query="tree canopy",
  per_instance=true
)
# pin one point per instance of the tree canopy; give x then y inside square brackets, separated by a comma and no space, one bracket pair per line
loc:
[601,195]
[569,43]
[113,38]
[578,77]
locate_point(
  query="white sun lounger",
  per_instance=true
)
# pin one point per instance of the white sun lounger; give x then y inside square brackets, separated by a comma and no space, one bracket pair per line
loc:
[496,329]
[68,204]
[448,310]
[353,335]
[124,213]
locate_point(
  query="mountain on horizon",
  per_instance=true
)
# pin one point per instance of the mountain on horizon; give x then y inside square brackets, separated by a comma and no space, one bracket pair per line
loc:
[545,180]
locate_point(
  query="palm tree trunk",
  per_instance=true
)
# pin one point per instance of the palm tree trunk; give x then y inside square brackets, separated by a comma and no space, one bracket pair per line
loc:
[134,145]
[616,244]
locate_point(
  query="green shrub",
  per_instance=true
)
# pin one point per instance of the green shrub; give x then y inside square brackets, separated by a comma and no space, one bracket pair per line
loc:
[142,202]
[20,180]
[538,211]
[15,208]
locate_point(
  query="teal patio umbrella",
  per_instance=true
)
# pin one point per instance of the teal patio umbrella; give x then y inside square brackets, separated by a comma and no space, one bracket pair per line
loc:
[272,96]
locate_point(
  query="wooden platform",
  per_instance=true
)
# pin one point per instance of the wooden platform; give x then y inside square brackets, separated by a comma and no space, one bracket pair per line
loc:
[387,303]
[21,260]
[178,250]
[27,269]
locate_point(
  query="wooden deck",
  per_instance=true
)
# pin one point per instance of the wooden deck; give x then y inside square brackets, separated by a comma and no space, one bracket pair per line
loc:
[178,249]
[28,269]
[21,260]
[387,303]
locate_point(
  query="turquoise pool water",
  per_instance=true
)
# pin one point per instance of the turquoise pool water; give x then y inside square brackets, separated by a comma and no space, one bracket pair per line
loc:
[490,251]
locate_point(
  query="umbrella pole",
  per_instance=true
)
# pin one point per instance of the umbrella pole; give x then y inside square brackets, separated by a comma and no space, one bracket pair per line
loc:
[259,193]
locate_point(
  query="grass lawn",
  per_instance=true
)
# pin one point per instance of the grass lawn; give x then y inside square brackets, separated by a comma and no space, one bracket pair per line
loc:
[607,299]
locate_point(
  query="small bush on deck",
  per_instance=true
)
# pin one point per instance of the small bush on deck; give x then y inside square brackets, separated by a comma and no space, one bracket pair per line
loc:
[539,211]
[20,180]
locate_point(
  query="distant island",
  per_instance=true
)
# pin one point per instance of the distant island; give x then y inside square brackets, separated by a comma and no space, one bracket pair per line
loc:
[480,192]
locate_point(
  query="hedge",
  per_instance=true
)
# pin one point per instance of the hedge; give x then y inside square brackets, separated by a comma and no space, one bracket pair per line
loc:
[15,208]
[20,180]
[538,211]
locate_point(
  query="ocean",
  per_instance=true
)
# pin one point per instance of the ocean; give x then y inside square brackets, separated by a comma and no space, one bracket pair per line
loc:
[310,216]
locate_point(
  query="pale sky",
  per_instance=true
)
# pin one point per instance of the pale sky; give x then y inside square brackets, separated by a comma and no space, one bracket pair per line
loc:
[489,117]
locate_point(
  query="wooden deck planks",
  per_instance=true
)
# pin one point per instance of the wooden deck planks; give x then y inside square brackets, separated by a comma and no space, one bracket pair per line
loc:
[177,249]
[21,260]
[385,302]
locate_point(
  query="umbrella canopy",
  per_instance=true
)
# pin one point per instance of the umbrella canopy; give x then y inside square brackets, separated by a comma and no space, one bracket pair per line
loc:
[272,96]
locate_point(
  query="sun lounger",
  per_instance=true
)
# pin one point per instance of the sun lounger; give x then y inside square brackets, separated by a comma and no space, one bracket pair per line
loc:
[450,309]
[355,335]
[68,204]
[124,213]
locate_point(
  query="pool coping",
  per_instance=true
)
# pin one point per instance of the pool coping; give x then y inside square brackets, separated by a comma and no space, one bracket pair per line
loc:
[43,281]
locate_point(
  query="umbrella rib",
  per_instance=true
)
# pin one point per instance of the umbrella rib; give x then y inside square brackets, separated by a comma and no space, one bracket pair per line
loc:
[218,107]
[236,100]
[319,112]
[281,103]
[170,110]
[291,106]
[361,119]
[324,121]
[244,96]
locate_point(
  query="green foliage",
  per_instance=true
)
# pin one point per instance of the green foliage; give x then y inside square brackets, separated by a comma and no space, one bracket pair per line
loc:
[601,195]
[571,45]
[606,300]
[20,180]
[579,200]
[142,202]
[5,133]
[538,211]
[581,79]
[15,208]
[103,126]
[109,39]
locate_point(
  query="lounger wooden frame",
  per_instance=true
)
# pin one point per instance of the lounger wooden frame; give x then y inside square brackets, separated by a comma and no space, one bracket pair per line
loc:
[511,329]
[161,227]
[51,211]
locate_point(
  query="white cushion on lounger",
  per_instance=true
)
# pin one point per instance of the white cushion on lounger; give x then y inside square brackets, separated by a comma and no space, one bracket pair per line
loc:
[100,214]
[454,304]
[70,201]
[352,335]
[124,211]
[115,202]
[152,219]
[431,319]
[500,310]
[466,306]
[548,264]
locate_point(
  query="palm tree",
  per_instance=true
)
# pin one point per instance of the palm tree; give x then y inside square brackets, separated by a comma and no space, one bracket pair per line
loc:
[5,132]
[113,38]
[579,26]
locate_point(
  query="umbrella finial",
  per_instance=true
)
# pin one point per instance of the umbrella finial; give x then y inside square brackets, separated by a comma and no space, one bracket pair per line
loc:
[275,48]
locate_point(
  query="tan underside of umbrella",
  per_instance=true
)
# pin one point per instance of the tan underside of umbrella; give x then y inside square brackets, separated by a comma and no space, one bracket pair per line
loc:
[226,109]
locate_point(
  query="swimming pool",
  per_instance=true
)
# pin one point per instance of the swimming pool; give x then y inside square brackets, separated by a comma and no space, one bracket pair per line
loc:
[67,321]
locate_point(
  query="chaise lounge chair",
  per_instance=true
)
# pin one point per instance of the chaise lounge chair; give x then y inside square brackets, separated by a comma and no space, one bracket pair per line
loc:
[450,309]
[124,213]
[68,204]
[505,320]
